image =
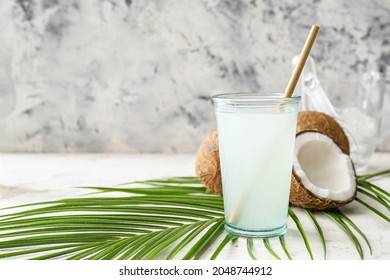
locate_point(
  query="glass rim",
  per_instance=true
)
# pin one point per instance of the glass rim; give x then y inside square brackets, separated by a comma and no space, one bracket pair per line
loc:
[252,98]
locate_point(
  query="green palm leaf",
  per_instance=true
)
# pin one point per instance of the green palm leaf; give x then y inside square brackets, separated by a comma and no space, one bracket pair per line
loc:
[283,244]
[373,209]
[269,248]
[336,218]
[370,176]
[116,227]
[375,193]
[355,227]
[205,241]
[301,231]
[319,230]
[375,197]
[249,246]
[190,236]
[133,247]
[225,241]
[162,218]
[100,249]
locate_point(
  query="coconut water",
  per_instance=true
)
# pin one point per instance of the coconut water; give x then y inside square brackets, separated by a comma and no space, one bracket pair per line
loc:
[256,150]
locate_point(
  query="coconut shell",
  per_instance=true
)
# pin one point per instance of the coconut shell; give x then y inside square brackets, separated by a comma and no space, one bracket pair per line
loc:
[207,166]
[303,198]
[311,121]
[325,124]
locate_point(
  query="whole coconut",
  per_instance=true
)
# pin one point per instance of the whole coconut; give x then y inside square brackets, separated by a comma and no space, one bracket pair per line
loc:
[207,164]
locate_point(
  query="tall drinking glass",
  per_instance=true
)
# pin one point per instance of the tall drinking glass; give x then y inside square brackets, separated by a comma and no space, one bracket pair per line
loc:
[256,135]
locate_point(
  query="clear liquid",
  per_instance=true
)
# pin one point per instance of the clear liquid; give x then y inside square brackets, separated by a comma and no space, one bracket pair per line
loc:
[256,150]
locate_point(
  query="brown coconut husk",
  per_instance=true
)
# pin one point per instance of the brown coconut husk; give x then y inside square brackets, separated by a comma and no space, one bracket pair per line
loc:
[320,122]
[303,198]
[207,166]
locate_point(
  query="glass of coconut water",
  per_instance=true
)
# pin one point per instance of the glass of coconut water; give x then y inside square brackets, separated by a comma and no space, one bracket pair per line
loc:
[256,135]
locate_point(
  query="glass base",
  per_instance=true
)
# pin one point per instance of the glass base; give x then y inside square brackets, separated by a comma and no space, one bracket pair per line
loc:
[255,233]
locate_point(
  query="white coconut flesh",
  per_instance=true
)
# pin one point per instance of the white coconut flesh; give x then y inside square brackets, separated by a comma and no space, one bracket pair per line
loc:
[323,168]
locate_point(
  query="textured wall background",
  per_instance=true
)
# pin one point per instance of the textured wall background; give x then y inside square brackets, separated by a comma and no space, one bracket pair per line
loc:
[136,75]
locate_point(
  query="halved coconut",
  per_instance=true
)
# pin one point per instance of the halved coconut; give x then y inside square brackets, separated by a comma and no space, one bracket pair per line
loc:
[323,173]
